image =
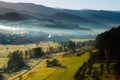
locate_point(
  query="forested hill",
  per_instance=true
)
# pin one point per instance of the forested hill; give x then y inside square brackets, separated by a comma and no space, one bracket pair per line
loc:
[109,41]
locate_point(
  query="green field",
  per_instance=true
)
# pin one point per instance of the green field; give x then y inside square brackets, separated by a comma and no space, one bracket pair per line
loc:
[68,68]
[65,72]
[6,49]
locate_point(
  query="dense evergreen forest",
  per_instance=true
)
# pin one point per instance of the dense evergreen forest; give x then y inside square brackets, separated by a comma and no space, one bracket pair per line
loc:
[104,64]
[109,43]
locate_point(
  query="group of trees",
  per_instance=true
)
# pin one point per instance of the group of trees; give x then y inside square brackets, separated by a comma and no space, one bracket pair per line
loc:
[69,45]
[33,53]
[52,63]
[2,77]
[108,44]
[88,70]
[51,49]
[17,58]
[72,45]
[15,61]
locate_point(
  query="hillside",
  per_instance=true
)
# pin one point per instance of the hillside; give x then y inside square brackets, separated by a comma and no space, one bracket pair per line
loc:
[62,24]
[37,66]
[81,16]
[105,62]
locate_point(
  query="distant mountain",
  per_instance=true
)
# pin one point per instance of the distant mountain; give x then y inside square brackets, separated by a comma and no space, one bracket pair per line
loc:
[86,12]
[6,10]
[104,19]
[30,7]
[29,17]
[117,11]
[14,16]
[72,18]
[91,18]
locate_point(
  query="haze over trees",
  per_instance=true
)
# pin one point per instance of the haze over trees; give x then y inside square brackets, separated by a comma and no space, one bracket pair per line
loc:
[63,23]
[26,23]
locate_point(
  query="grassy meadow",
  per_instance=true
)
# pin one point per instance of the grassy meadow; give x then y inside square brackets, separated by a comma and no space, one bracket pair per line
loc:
[68,68]
[69,65]
[6,49]
[66,71]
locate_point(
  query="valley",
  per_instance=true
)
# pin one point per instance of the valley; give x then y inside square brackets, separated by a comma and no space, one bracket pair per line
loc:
[38,42]
[19,20]
[37,66]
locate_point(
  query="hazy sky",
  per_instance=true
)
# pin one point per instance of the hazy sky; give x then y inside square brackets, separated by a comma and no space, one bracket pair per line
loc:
[76,4]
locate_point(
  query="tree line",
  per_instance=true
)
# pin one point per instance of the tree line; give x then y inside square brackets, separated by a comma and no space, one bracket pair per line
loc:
[108,44]
[17,59]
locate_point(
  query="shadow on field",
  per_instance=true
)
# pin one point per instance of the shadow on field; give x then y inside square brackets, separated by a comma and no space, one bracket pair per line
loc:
[63,67]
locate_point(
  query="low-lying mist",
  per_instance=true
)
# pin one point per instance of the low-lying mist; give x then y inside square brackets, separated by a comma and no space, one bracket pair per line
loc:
[36,30]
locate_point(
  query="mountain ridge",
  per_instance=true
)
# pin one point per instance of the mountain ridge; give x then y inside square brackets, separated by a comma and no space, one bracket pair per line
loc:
[38,18]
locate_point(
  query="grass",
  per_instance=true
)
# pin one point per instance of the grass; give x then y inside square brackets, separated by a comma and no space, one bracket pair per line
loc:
[41,72]
[105,75]
[6,49]
[65,72]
